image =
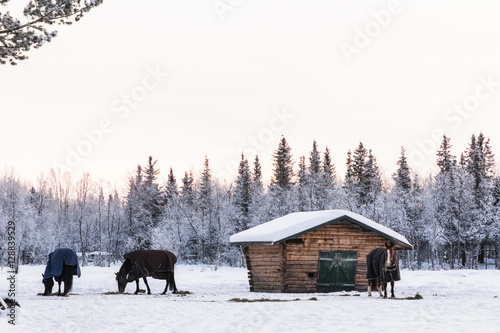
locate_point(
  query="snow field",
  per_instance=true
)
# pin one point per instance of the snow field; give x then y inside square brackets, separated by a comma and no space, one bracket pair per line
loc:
[458,301]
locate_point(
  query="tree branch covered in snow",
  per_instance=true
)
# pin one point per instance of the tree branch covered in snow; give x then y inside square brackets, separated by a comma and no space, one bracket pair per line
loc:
[18,36]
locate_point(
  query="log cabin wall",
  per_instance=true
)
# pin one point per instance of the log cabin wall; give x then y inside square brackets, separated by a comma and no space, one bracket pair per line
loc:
[292,266]
[265,264]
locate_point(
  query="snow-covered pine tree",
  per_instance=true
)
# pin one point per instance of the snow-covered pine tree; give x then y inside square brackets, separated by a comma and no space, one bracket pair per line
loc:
[304,187]
[152,196]
[205,217]
[281,186]
[242,196]
[328,194]
[282,178]
[363,184]
[406,215]
[402,176]
[191,234]
[348,187]
[138,232]
[258,204]
[447,208]
[479,163]
[372,184]
[315,190]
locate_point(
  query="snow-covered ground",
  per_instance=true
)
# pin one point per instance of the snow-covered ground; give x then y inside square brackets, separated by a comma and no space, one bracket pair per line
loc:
[453,301]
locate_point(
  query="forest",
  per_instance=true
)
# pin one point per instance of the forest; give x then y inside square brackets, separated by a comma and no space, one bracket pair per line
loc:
[452,218]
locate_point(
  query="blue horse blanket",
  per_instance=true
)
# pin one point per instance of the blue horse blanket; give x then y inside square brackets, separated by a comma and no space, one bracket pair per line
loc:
[56,261]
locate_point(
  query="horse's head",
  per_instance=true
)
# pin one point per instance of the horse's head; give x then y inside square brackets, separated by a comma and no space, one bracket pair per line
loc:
[122,281]
[390,257]
[48,283]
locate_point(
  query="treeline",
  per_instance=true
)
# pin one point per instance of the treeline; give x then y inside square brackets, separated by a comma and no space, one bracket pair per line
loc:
[452,218]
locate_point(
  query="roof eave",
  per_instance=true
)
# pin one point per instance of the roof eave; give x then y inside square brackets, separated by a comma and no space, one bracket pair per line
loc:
[400,245]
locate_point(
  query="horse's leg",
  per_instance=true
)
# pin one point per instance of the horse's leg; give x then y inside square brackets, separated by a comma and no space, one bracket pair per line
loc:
[172,282]
[370,285]
[380,288]
[167,280]
[385,289]
[392,289]
[68,283]
[59,291]
[136,287]
[147,285]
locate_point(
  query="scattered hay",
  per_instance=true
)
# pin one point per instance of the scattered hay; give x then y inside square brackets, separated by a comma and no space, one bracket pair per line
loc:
[55,294]
[416,297]
[246,300]
[182,292]
[115,293]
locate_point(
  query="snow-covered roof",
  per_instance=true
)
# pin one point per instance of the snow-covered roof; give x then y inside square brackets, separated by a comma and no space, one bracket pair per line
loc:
[295,224]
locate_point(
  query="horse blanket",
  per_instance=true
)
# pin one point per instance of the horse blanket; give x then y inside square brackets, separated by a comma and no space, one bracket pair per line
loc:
[56,261]
[376,269]
[154,263]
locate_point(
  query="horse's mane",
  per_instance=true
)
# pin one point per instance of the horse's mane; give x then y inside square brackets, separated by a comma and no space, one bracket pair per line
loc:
[126,267]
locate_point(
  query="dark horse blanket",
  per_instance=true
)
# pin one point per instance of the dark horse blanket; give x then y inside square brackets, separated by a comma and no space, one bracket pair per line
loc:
[154,263]
[376,269]
[56,261]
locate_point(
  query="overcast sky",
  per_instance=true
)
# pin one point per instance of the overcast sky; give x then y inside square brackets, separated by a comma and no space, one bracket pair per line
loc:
[179,80]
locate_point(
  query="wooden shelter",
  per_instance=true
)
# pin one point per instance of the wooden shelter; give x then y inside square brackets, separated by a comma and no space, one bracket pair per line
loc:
[322,251]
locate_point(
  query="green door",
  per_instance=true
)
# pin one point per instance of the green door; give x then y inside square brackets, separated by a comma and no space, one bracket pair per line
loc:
[337,271]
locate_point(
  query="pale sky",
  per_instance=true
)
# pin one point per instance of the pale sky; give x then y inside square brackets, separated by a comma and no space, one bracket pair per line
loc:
[179,80]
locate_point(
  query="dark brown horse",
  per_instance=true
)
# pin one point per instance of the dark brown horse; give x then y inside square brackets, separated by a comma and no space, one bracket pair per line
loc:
[382,268]
[158,264]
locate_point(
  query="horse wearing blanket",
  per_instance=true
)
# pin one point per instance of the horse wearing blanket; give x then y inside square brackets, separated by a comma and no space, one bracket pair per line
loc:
[382,268]
[159,264]
[62,265]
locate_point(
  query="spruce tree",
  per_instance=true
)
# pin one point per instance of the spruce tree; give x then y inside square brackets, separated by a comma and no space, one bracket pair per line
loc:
[282,167]
[328,168]
[314,160]
[281,187]
[242,196]
[152,197]
[304,187]
[402,176]
[445,160]
[258,203]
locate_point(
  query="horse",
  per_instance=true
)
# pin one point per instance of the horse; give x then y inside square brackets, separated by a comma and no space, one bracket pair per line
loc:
[158,264]
[382,267]
[62,265]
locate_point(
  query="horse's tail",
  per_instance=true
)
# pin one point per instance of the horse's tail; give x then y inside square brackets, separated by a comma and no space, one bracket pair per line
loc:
[171,282]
